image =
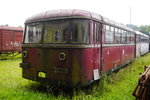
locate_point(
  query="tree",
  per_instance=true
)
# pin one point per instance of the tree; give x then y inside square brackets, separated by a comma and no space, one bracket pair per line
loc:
[143,28]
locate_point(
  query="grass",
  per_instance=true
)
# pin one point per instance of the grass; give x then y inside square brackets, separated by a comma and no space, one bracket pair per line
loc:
[117,86]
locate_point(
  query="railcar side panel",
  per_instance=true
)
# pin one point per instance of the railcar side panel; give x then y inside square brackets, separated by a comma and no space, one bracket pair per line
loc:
[129,53]
[144,48]
[111,58]
[116,56]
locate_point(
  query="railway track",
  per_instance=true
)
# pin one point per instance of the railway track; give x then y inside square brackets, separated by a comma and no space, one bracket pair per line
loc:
[10,56]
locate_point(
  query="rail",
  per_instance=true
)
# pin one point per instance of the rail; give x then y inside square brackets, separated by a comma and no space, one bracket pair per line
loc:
[10,56]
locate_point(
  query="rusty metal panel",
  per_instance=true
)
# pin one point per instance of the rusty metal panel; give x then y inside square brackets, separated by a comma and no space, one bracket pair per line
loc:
[7,40]
[75,68]
[144,48]
[115,56]
[111,58]
[10,39]
[17,40]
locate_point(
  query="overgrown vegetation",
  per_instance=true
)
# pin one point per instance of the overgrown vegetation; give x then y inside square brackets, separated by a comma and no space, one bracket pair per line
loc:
[117,86]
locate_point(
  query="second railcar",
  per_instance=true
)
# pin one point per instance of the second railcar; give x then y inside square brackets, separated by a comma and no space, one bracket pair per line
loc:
[142,43]
[10,39]
[74,47]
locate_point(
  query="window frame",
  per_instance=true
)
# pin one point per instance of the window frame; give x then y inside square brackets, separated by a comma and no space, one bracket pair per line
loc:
[117,36]
[25,33]
[109,30]
[69,41]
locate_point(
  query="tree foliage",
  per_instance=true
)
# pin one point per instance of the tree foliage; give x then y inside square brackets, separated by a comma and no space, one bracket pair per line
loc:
[143,28]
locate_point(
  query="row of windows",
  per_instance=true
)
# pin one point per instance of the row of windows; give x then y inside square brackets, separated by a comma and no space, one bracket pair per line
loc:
[116,35]
[141,39]
[76,31]
[60,31]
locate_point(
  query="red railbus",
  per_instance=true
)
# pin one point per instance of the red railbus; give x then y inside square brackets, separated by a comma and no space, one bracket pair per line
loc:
[10,39]
[74,47]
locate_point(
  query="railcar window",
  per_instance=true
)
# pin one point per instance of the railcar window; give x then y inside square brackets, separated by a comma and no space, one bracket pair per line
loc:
[107,27]
[112,29]
[128,37]
[56,31]
[96,32]
[124,36]
[117,36]
[33,33]
[144,39]
[109,35]
[79,31]
[120,32]
[132,38]
[137,38]
[67,31]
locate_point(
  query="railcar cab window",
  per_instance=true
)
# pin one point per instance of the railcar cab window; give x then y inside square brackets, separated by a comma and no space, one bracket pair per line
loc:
[56,31]
[109,34]
[67,31]
[79,31]
[33,33]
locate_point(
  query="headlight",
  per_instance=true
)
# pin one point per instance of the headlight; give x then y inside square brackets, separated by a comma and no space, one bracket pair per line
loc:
[24,53]
[62,56]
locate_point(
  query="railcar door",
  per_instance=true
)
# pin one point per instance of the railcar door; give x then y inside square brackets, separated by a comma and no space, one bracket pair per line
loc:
[97,49]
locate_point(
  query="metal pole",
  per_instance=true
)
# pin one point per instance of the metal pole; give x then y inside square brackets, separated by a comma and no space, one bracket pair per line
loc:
[130,14]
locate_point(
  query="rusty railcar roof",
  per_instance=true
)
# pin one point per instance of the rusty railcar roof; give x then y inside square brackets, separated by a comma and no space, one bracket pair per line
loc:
[11,28]
[73,13]
[62,14]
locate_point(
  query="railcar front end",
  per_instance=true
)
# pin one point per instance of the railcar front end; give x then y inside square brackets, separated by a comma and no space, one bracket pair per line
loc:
[59,52]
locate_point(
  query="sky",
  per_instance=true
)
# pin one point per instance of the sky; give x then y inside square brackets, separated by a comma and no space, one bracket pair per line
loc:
[15,12]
